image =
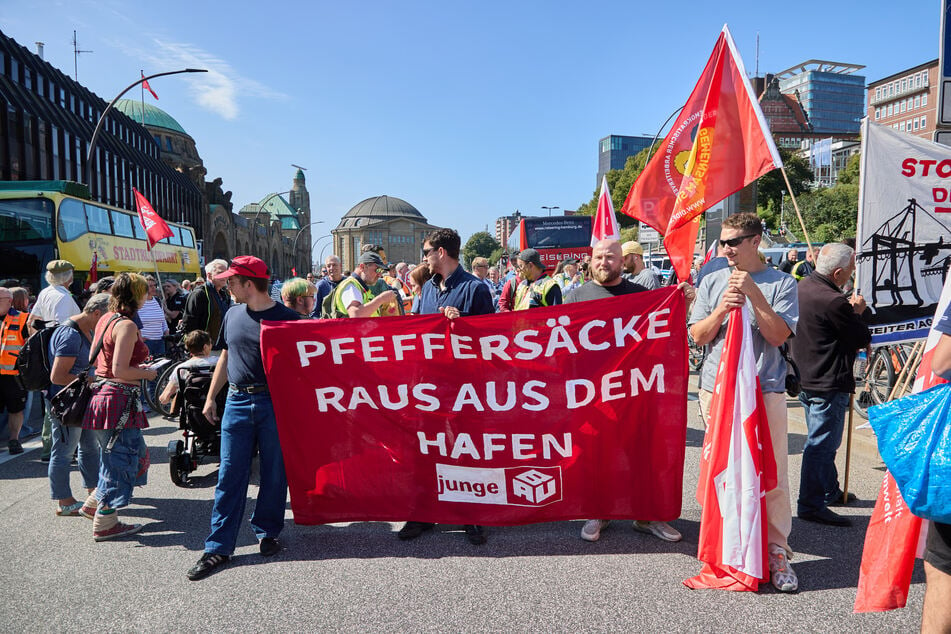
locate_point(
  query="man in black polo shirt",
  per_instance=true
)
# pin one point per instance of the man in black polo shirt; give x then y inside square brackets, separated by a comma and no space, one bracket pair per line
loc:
[454,293]
[248,419]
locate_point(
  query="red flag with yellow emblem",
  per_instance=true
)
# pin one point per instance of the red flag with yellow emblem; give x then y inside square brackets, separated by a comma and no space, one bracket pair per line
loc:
[718,144]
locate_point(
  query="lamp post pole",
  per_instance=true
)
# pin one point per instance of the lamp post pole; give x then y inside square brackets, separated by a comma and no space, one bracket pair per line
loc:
[102,117]
[550,209]
[301,231]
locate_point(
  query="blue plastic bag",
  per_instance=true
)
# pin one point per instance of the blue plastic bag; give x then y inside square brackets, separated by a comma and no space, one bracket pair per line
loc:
[914,440]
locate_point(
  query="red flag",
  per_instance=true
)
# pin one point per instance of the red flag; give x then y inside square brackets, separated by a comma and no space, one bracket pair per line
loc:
[711,253]
[145,84]
[155,227]
[605,222]
[294,271]
[737,467]
[894,536]
[93,270]
[718,145]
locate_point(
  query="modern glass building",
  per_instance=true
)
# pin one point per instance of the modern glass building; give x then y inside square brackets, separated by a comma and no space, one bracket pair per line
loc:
[832,95]
[614,150]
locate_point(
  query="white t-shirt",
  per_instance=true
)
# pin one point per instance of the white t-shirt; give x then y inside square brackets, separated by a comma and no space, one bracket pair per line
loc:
[54,305]
[153,320]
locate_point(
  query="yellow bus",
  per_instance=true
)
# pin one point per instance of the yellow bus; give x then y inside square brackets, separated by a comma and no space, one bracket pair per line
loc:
[47,220]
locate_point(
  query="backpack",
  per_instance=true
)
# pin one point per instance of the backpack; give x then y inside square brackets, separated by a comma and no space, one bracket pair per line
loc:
[34,365]
[328,307]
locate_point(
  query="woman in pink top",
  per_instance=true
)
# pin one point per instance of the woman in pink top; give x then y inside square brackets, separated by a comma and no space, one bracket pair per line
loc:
[115,411]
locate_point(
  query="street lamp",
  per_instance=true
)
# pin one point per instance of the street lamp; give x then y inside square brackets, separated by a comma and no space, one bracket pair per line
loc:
[301,231]
[550,209]
[102,117]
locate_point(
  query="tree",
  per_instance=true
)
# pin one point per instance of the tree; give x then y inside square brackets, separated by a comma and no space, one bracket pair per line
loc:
[481,244]
[850,175]
[770,187]
[620,183]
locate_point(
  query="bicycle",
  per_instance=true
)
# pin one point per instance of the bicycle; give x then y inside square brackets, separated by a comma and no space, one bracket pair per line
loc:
[875,379]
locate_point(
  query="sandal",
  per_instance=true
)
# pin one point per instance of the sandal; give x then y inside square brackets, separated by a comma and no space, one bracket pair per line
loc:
[70,510]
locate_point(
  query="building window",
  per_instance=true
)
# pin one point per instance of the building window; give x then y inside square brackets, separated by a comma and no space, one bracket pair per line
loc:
[902,105]
[918,101]
[901,126]
[889,110]
[878,113]
[878,93]
[914,124]
[924,99]
[924,122]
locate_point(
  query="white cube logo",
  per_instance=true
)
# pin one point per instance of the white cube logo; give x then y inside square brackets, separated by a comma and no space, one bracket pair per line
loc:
[534,486]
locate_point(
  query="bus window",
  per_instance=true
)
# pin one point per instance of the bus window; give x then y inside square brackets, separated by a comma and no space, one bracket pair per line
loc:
[176,238]
[139,230]
[122,224]
[188,240]
[72,219]
[26,219]
[98,219]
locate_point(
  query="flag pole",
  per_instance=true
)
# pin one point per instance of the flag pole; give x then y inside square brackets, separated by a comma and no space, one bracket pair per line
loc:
[142,88]
[802,224]
[848,451]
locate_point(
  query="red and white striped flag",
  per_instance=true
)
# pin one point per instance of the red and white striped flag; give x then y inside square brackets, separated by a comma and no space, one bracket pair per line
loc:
[895,537]
[737,467]
[605,222]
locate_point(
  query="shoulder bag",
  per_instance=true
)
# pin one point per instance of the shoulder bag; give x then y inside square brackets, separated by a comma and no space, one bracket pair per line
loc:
[70,403]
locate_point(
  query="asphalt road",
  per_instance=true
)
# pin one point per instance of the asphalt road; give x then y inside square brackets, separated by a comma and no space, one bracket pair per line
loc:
[360,577]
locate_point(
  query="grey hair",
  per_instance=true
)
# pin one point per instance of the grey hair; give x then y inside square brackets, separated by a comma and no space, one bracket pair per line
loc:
[59,279]
[335,258]
[834,255]
[99,301]
[215,266]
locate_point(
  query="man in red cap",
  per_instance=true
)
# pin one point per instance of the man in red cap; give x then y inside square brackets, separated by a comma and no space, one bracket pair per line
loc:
[248,419]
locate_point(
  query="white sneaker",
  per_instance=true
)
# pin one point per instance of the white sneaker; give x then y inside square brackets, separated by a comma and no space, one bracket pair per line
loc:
[782,575]
[591,531]
[661,530]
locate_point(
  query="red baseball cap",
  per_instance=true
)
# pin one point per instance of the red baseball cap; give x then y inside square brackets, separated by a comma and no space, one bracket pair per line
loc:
[246,265]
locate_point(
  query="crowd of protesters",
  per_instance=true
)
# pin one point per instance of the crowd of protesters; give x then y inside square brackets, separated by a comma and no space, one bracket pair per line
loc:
[130,319]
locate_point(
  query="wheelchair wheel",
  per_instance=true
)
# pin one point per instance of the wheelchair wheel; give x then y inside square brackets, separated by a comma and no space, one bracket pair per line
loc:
[168,374]
[179,463]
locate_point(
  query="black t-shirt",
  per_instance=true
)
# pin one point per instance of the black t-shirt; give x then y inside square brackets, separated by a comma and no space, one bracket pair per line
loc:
[241,336]
[175,303]
[590,290]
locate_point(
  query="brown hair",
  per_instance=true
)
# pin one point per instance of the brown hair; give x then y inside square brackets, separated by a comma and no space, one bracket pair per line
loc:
[421,274]
[196,340]
[260,283]
[748,223]
[128,293]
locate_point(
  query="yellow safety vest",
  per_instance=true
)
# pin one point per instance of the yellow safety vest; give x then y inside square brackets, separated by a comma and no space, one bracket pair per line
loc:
[352,281]
[539,288]
[11,340]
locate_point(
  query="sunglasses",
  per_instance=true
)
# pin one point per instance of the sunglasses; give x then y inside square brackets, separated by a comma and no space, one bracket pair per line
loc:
[426,252]
[735,242]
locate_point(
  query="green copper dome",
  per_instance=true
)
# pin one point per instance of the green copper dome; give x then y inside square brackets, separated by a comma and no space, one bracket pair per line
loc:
[154,117]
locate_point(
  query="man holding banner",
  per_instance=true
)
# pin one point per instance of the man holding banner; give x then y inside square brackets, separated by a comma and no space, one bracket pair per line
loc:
[454,293]
[772,297]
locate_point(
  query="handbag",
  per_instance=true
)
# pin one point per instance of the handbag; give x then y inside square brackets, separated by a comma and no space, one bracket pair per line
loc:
[914,440]
[793,378]
[70,403]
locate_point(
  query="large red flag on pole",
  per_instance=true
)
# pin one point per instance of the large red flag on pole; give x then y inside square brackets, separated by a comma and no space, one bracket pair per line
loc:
[894,536]
[155,228]
[719,144]
[605,222]
[737,467]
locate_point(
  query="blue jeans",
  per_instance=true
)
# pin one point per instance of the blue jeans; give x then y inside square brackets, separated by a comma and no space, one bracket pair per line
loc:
[825,419]
[247,418]
[65,441]
[119,468]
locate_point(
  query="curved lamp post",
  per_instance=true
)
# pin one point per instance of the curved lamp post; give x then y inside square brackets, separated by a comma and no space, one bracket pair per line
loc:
[102,117]
[299,233]
[550,209]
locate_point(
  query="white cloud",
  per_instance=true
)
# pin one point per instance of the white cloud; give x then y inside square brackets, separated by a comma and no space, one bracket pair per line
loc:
[218,89]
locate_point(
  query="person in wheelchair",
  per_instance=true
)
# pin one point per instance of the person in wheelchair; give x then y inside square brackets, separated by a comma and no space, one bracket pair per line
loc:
[198,345]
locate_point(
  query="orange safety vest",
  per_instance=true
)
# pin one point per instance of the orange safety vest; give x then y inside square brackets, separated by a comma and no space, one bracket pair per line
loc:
[11,340]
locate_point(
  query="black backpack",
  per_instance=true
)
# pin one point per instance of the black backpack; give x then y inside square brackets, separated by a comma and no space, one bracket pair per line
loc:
[34,365]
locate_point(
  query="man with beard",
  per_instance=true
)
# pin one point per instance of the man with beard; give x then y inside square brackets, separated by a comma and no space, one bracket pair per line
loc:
[606,281]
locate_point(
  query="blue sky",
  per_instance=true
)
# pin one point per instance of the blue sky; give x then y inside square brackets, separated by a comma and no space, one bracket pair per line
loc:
[468,110]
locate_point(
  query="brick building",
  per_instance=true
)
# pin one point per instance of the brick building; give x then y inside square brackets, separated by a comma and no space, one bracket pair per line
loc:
[907,100]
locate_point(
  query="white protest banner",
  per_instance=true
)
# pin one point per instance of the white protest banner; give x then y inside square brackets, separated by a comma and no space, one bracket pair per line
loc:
[903,243]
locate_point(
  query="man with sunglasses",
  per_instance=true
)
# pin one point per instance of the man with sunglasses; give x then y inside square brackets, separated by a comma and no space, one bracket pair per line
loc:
[774,308]
[454,293]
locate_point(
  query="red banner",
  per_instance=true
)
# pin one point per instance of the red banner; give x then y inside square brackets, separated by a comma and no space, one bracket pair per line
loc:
[155,228]
[566,412]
